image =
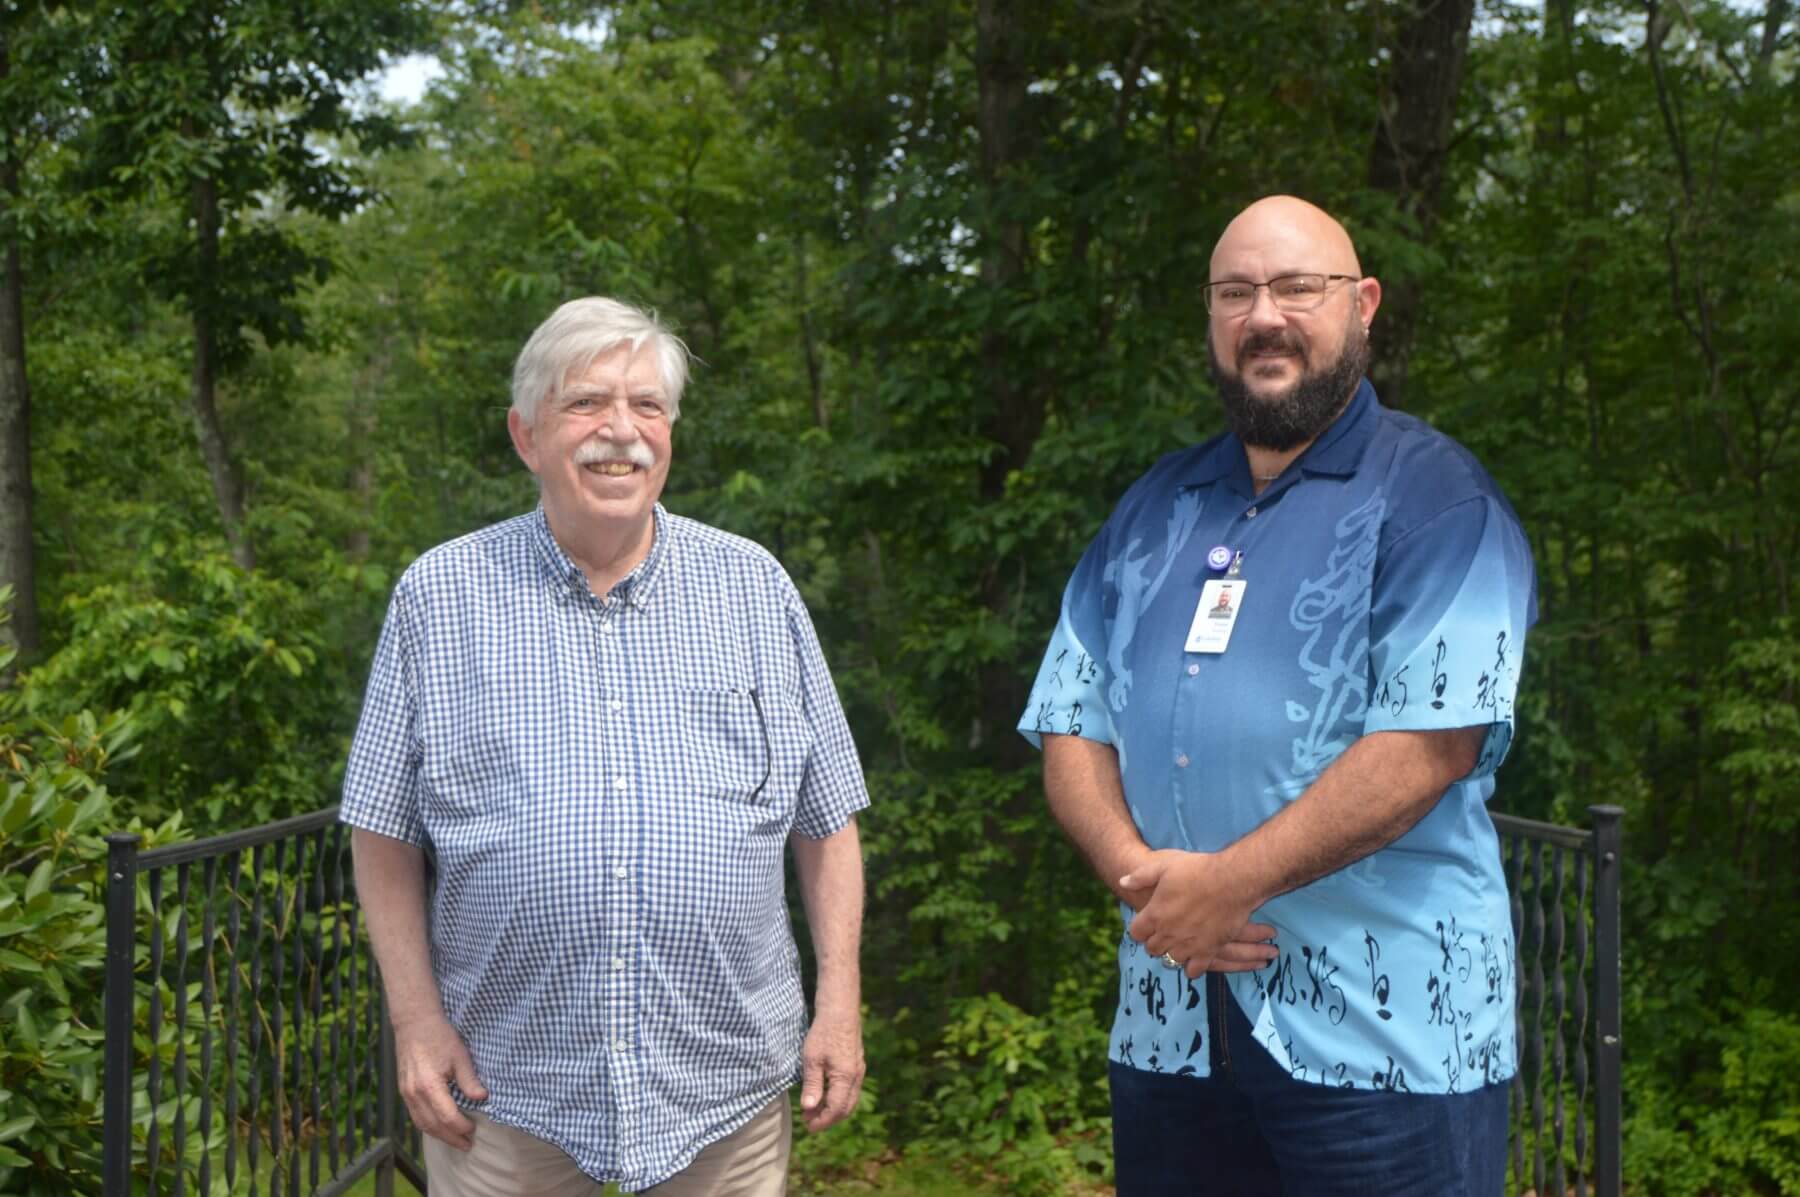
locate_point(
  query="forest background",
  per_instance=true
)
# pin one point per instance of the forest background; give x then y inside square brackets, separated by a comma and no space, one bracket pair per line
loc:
[940,262]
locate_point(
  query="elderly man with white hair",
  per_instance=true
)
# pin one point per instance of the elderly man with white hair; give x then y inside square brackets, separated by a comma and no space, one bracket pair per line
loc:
[600,723]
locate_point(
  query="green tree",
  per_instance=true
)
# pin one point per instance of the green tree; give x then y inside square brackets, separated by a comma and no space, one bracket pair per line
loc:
[40,57]
[223,110]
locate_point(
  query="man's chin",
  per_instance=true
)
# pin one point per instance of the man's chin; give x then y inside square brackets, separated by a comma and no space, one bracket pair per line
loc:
[1271,392]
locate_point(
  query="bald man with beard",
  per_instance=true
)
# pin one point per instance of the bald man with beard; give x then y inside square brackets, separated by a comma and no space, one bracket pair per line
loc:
[1316,966]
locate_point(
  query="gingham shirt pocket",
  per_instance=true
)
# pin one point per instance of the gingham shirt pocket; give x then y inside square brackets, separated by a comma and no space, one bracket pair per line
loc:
[726,746]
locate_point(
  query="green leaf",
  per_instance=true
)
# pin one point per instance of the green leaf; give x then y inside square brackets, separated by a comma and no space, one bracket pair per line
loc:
[40,879]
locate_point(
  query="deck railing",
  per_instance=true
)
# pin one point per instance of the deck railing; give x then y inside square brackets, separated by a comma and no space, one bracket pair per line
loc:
[1565,1107]
[264,1062]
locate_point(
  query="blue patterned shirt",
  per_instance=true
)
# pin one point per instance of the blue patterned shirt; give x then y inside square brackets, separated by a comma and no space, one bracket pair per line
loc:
[1388,587]
[606,787]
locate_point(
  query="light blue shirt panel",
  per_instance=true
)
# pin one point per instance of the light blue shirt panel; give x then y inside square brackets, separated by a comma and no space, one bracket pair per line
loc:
[606,786]
[1384,538]
[1069,696]
[1450,656]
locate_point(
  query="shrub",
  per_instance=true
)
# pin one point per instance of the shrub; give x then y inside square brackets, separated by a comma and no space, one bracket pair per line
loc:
[53,811]
[1729,1128]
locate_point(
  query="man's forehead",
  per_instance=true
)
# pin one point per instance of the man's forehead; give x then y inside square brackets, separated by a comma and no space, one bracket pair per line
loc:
[637,370]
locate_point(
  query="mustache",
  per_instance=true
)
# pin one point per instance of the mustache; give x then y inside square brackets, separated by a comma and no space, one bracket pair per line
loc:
[636,452]
[1256,342]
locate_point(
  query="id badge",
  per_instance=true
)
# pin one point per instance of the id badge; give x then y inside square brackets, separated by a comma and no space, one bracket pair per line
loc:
[1216,614]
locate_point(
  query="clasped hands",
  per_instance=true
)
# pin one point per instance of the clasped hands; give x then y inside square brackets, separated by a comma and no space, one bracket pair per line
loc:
[1189,907]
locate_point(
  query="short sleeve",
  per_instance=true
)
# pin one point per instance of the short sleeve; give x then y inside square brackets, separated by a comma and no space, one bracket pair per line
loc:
[1069,696]
[832,788]
[1453,599]
[381,781]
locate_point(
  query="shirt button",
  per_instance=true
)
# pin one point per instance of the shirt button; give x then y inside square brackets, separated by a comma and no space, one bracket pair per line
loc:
[1181,760]
[617,705]
[618,963]
[620,783]
[618,1045]
[1193,668]
[1250,514]
[621,872]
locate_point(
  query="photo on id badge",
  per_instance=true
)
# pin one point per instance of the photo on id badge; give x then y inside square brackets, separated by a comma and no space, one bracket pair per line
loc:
[1221,600]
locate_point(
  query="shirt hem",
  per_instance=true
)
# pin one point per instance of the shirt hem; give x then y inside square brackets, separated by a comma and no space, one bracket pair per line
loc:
[626,1182]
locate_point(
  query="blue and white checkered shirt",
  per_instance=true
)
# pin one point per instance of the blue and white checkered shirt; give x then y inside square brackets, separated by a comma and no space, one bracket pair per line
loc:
[606,788]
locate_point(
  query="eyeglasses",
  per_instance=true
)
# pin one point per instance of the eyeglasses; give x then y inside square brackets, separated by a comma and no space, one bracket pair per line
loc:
[1289,292]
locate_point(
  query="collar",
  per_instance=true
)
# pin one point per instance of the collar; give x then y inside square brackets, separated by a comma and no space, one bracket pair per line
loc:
[635,587]
[1337,451]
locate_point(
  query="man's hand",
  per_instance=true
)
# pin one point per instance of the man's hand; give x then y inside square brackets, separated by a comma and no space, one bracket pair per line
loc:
[1193,912]
[832,1069]
[430,1054]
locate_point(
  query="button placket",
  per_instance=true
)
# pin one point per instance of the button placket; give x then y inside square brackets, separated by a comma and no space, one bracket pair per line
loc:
[619,943]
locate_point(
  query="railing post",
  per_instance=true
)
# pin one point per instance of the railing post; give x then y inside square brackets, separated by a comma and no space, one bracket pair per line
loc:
[121,943]
[388,1108]
[1608,847]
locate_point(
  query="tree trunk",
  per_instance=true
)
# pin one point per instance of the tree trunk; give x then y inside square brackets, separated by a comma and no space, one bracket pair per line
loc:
[361,421]
[1014,414]
[17,564]
[228,489]
[1412,143]
[18,567]
[1773,16]
[1017,414]
[809,347]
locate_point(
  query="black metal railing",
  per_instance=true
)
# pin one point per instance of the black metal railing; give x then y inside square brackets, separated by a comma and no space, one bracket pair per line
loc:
[263,1059]
[246,1044]
[1565,1104]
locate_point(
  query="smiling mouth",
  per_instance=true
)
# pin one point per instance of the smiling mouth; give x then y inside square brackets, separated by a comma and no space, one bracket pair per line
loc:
[612,469]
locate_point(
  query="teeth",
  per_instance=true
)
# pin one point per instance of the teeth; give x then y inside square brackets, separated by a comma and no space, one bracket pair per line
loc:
[616,469]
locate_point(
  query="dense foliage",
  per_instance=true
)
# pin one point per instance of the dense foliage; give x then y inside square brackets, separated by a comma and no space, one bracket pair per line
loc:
[939,263]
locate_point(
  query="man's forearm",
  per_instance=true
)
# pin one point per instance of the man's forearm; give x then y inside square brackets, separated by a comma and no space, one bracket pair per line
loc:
[1369,797]
[1087,797]
[390,885]
[830,872]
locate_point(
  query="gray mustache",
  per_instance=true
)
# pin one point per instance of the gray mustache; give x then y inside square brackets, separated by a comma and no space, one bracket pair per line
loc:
[637,453]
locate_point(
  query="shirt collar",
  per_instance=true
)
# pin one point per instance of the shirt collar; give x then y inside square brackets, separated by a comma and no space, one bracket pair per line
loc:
[1338,450]
[635,587]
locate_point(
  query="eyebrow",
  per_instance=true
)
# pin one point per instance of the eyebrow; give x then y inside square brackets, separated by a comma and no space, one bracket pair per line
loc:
[589,390]
[1242,277]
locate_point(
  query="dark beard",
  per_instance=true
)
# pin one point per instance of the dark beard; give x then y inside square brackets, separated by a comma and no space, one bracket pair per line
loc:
[1307,409]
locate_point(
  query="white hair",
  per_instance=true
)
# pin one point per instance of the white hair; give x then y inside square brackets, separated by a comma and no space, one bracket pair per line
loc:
[582,330]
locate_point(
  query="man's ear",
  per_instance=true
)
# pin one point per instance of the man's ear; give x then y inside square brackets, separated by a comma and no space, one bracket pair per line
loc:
[523,438]
[1368,298]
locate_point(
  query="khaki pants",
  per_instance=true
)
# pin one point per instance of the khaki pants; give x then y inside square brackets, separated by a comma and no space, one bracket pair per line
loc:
[504,1162]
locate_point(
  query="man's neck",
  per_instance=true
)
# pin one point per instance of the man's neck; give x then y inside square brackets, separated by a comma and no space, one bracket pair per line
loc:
[604,552]
[1266,464]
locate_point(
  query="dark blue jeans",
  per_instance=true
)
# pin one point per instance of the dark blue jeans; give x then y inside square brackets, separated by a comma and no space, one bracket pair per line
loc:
[1252,1129]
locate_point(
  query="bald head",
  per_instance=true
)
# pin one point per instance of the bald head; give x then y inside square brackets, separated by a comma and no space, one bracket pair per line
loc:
[1287,359]
[1280,234]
